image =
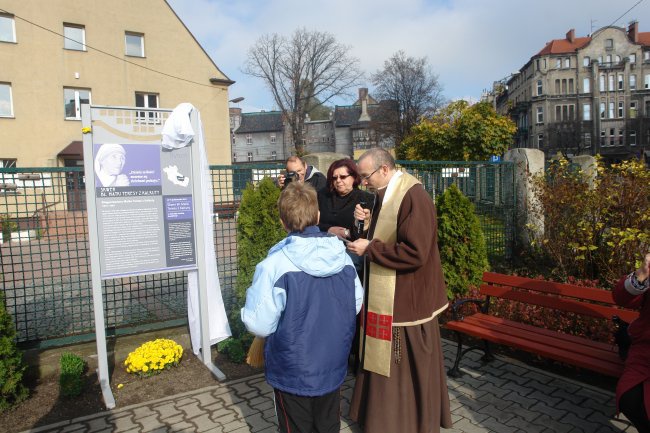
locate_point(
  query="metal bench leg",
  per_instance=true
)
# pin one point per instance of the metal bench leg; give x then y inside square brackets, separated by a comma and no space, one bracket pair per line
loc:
[488,356]
[455,371]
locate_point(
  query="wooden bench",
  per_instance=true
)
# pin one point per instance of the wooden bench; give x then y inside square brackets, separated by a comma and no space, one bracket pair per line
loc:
[557,298]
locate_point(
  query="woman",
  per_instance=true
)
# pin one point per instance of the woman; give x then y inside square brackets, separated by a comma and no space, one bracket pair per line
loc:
[109,163]
[337,201]
[633,389]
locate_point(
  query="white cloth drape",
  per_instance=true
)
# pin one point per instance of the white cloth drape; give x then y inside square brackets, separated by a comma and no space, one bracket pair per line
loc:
[178,132]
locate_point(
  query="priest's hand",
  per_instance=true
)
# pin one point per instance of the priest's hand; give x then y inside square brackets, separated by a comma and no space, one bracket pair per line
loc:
[358,247]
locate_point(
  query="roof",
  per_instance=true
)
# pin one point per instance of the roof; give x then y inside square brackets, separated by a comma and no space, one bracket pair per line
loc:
[266,121]
[348,115]
[562,46]
[75,150]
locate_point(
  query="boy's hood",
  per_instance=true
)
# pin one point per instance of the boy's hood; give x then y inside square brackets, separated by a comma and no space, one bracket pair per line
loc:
[315,253]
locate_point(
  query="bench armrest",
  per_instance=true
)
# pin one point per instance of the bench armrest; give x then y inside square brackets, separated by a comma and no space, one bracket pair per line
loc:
[456,307]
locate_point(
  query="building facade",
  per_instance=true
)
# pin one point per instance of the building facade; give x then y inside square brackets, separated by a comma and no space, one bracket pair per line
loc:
[583,95]
[57,54]
[350,130]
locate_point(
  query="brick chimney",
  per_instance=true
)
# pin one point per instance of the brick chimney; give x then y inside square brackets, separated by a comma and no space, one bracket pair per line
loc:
[633,31]
[571,35]
[363,98]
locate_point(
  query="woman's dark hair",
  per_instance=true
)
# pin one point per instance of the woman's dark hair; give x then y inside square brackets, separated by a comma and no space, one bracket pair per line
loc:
[352,171]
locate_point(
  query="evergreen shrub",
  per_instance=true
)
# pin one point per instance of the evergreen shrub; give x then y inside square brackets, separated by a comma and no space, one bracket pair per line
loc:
[12,367]
[258,229]
[463,250]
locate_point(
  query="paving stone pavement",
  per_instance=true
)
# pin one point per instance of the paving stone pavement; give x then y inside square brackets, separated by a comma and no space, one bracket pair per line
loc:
[504,396]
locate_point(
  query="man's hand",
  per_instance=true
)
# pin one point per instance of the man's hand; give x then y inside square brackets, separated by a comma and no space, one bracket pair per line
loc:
[358,247]
[362,214]
[281,181]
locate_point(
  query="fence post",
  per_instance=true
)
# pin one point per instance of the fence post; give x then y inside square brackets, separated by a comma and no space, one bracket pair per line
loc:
[529,224]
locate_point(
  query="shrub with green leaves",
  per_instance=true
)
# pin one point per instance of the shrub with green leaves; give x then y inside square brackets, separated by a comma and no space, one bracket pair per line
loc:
[258,229]
[71,379]
[463,251]
[12,367]
[594,228]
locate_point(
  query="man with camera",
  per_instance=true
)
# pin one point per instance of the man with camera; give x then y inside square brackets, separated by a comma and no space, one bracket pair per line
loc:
[299,171]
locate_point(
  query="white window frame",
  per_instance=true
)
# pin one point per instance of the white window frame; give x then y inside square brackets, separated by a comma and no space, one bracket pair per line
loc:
[610,82]
[234,157]
[150,117]
[586,111]
[602,110]
[632,58]
[8,162]
[129,53]
[632,138]
[540,88]
[601,82]
[585,61]
[558,63]
[9,102]
[540,141]
[621,109]
[633,109]
[620,81]
[567,62]
[274,155]
[273,139]
[646,81]
[610,112]
[12,21]
[540,115]
[69,40]
[632,82]
[249,155]
[646,55]
[586,85]
[609,44]
[249,139]
[77,101]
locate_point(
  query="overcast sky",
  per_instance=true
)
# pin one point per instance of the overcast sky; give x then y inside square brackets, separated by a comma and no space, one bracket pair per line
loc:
[468,43]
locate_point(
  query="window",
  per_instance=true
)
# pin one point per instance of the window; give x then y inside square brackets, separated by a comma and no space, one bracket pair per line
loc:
[540,141]
[540,114]
[586,85]
[72,100]
[558,63]
[617,59]
[608,59]
[601,82]
[564,113]
[602,110]
[567,62]
[621,109]
[602,137]
[609,44]
[632,82]
[586,112]
[612,136]
[586,139]
[234,157]
[632,138]
[273,139]
[646,81]
[134,44]
[571,86]
[632,58]
[620,81]
[585,61]
[274,155]
[249,155]
[611,111]
[7,28]
[540,90]
[633,109]
[620,137]
[646,56]
[147,100]
[249,139]
[6,102]
[564,86]
[537,64]
[8,162]
[611,82]
[557,87]
[74,37]
[600,60]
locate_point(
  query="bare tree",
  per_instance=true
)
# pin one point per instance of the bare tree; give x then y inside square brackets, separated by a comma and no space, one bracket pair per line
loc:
[411,83]
[310,66]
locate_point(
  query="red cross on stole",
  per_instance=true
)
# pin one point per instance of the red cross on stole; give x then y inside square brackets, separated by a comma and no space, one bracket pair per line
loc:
[379,326]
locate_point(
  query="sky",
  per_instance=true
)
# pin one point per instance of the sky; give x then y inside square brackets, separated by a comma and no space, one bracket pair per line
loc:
[469,44]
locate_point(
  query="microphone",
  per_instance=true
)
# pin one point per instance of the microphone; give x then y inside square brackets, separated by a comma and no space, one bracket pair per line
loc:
[358,224]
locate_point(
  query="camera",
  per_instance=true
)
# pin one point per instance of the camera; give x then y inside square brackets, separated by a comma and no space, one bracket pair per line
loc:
[290,177]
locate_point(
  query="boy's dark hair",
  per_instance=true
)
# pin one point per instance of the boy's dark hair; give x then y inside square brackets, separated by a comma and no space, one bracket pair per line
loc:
[298,206]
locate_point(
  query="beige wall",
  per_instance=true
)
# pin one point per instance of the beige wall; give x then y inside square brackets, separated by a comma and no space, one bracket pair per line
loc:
[38,68]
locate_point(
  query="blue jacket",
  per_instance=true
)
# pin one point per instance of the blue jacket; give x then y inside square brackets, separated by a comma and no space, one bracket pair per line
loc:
[304,299]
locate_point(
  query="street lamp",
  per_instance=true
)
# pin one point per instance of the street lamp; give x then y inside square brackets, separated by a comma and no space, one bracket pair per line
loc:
[237,99]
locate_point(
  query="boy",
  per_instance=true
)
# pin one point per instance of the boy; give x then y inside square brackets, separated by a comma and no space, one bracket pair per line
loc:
[304,299]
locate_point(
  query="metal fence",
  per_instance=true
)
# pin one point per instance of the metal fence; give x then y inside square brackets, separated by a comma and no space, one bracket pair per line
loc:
[44,255]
